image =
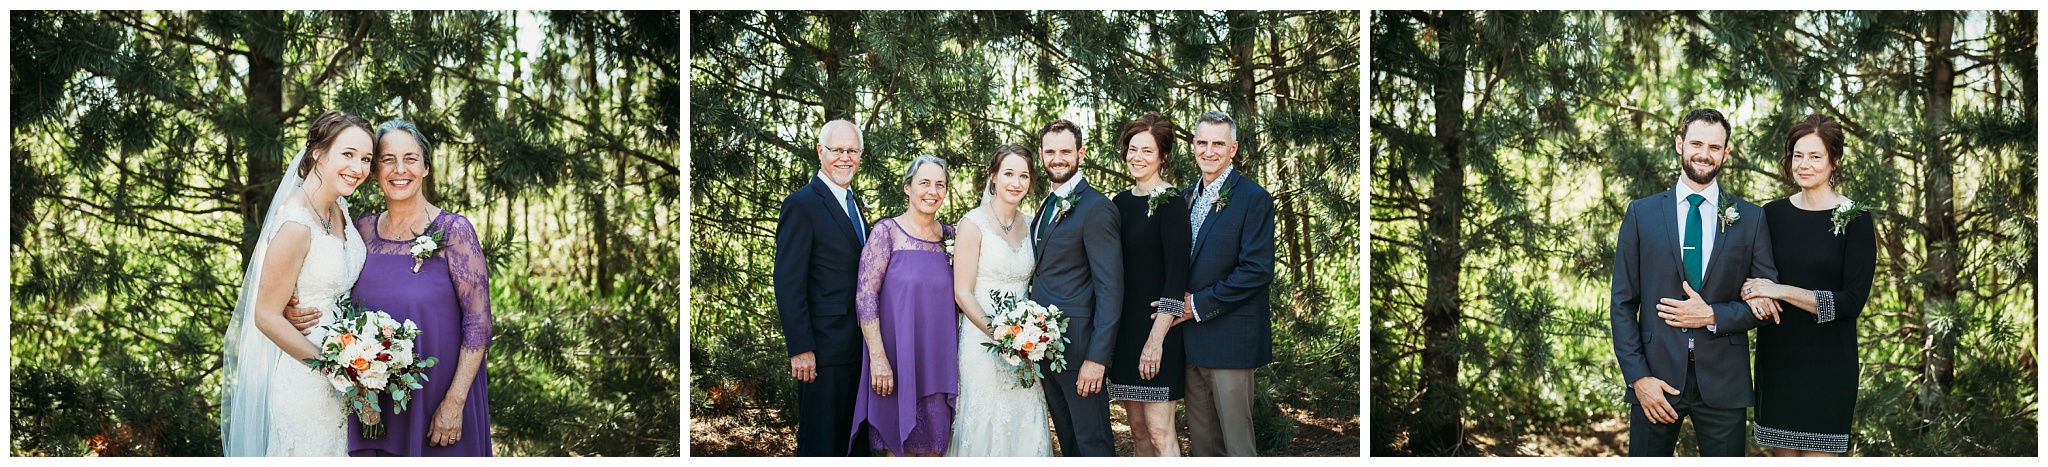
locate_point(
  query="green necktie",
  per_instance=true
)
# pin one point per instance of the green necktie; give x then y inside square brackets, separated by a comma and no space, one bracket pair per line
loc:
[1045,221]
[1692,241]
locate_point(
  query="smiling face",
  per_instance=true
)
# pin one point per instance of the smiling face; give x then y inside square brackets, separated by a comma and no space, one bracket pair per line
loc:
[1214,148]
[1701,150]
[1061,155]
[1012,179]
[401,168]
[346,163]
[839,156]
[927,189]
[1142,156]
[1810,165]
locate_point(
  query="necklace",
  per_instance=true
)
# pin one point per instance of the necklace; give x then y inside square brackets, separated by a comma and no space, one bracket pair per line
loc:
[402,226]
[326,222]
[1007,225]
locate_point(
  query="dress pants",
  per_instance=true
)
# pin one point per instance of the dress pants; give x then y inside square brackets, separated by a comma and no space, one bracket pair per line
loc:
[1719,432]
[825,408]
[1220,412]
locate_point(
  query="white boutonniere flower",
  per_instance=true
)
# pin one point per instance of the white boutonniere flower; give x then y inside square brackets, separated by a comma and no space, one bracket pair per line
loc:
[1061,210]
[1728,212]
[1159,198]
[425,245]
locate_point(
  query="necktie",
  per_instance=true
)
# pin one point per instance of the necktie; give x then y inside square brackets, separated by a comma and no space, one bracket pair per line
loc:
[1692,250]
[853,213]
[1044,220]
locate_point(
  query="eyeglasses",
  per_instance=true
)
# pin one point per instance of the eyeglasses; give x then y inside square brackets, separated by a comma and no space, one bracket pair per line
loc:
[843,151]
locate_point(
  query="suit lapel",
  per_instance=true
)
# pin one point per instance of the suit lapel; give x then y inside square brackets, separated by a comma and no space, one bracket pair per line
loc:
[1209,220]
[1721,241]
[831,204]
[1663,223]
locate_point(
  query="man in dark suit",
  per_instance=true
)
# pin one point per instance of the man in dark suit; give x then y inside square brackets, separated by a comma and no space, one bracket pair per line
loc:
[1681,328]
[1080,270]
[1228,303]
[817,258]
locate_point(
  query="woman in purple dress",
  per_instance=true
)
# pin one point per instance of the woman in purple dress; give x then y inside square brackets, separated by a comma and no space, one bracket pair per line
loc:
[447,293]
[905,304]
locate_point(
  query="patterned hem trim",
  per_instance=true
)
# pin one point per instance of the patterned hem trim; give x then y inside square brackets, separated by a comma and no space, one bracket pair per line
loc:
[1139,393]
[1172,307]
[1801,440]
[1826,301]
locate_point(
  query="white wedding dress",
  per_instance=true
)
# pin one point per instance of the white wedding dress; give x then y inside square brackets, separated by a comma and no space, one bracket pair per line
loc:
[995,417]
[305,419]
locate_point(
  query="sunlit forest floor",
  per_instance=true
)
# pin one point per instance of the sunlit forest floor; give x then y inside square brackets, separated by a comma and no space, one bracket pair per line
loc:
[1316,437]
[1605,438]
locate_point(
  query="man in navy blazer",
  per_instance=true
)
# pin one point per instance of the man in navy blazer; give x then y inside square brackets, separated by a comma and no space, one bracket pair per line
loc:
[1229,320]
[817,259]
[1681,327]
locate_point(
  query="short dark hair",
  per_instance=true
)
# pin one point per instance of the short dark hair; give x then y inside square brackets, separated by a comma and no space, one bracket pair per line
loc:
[1162,135]
[1705,115]
[1830,133]
[321,134]
[1066,126]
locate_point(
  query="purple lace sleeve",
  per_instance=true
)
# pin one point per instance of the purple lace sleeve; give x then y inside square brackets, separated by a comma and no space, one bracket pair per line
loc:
[472,276]
[874,262]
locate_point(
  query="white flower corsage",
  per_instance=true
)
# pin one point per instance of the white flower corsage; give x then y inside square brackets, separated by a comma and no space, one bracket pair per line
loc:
[1060,211]
[1159,198]
[1845,213]
[425,245]
[1728,213]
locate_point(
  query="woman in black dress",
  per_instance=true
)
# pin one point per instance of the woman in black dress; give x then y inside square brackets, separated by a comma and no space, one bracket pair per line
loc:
[1149,370]
[1826,251]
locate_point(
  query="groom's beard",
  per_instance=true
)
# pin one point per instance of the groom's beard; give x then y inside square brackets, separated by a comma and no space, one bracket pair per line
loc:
[1058,178]
[1696,177]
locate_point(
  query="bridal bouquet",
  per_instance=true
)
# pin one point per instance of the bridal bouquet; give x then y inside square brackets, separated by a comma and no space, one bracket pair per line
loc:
[1025,334]
[365,354]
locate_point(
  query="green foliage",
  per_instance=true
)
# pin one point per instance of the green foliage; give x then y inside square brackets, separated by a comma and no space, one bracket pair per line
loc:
[1500,271]
[145,145]
[957,84]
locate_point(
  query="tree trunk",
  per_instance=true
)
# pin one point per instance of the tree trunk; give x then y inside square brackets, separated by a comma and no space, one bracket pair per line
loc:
[265,96]
[1442,400]
[1937,370]
[1244,26]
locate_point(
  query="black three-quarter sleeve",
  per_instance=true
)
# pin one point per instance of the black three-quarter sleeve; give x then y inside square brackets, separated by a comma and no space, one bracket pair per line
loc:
[1859,265]
[1176,240]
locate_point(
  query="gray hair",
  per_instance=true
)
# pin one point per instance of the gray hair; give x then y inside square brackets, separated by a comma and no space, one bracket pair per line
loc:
[911,170]
[426,149]
[826,130]
[1219,118]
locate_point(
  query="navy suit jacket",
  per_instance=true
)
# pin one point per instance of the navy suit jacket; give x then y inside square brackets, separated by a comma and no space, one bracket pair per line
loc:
[1231,268]
[1649,266]
[817,262]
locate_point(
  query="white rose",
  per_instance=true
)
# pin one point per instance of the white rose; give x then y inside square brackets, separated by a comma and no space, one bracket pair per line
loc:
[1847,205]
[401,354]
[374,378]
[1011,359]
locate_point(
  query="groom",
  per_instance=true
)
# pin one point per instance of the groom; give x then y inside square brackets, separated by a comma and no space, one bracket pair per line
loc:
[1080,270]
[1681,329]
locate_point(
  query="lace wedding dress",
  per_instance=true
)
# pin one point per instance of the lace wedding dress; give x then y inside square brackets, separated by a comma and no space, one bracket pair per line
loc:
[995,417]
[305,419]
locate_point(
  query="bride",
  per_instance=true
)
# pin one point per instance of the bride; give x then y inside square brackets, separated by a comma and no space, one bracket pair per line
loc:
[272,404]
[994,416]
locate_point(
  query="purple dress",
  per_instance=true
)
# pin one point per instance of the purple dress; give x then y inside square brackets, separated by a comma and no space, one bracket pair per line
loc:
[907,285]
[450,300]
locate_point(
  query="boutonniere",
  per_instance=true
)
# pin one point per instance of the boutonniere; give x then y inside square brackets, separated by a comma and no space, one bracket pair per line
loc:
[424,246]
[1728,213]
[1060,210]
[1159,198]
[1222,198]
[1844,213]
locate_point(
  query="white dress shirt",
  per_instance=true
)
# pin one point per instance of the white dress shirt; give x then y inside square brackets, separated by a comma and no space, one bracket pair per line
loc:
[1710,223]
[839,193]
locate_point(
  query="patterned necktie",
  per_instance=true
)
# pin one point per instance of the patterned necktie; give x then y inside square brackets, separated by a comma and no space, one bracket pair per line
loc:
[853,213]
